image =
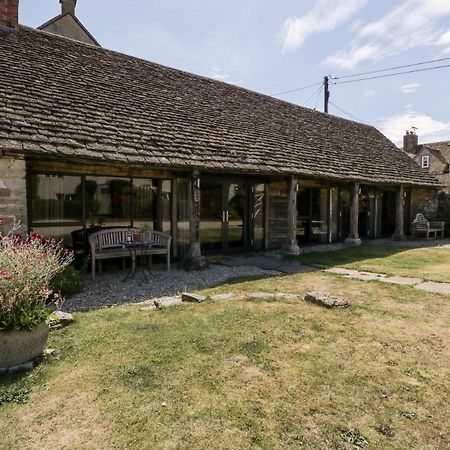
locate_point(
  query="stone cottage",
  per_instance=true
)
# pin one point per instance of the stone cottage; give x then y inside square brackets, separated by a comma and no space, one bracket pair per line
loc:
[93,138]
[432,157]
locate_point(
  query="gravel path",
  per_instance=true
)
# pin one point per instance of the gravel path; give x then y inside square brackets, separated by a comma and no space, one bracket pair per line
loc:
[109,289]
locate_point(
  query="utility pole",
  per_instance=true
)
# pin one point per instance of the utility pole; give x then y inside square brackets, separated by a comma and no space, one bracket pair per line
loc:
[326,93]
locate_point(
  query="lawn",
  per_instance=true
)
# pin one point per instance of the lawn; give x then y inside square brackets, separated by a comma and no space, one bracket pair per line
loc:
[431,263]
[271,374]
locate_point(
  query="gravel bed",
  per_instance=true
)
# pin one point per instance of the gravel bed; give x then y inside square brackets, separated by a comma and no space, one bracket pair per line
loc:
[109,289]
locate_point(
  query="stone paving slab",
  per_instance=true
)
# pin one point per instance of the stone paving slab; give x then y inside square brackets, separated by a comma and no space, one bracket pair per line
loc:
[432,286]
[418,283]
[167,302]
[222,297]
[404,281]
[356,274]
[264,262]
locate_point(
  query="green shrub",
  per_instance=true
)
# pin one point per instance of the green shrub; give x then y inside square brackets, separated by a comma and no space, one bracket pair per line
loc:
[70,281]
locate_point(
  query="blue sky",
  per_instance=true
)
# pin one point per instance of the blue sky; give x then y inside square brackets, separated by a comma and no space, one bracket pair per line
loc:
[275,46]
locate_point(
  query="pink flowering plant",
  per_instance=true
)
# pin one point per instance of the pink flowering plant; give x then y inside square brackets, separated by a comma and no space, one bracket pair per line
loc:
[26,270]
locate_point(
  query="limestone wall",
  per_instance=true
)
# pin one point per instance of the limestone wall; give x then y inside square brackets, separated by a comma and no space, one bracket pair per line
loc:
[424,201]
[13,197]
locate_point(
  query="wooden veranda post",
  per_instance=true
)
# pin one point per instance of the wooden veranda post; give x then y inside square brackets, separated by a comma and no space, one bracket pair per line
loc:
[194,259]
[399,214]
[291,246]
[353,238]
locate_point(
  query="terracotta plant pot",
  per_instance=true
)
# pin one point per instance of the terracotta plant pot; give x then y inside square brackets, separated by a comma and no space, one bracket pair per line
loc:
[19,347]
[137,237]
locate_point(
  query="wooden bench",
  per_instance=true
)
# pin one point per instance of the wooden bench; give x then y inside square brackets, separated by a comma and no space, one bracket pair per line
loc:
[421,225]
[108,244]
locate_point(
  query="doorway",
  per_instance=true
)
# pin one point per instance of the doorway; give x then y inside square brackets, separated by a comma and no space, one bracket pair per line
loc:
[313,209]
[230,215]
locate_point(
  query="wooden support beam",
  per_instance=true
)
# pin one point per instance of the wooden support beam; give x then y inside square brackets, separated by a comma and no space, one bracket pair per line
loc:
[194,259]
[353,238]
[399,233]
[291,246]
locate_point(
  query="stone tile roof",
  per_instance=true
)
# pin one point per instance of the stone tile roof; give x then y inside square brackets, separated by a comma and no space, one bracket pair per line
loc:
[66,99]
[443,148]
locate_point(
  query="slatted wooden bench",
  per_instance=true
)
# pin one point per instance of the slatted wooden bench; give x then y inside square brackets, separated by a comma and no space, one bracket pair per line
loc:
[421,226]
[108,244]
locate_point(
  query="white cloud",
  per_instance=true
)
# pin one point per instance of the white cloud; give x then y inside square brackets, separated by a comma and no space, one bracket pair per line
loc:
[411,24]
[216,74]
[343,60]
[409,88]
[326,15]
[369,93]
[429,129]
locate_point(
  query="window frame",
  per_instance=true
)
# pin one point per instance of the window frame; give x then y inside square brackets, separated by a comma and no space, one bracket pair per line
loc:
[425,161]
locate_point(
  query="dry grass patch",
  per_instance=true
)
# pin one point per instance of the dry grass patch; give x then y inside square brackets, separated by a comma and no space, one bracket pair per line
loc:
[247,374]
[431,263]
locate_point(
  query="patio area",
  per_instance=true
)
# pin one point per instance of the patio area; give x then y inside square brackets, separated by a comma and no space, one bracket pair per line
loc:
[110,288]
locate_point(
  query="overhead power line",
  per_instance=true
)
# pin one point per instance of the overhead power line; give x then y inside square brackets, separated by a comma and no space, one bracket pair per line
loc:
[347,113]
[316,92]
[372,72]
[392,74]
[391,68]
[296,90]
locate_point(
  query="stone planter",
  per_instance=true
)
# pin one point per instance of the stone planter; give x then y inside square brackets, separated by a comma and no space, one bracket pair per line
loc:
[19,347]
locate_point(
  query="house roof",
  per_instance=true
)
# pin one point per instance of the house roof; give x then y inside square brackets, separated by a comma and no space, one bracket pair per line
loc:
[442,148]
[66,99]
[421,149]
[77,21]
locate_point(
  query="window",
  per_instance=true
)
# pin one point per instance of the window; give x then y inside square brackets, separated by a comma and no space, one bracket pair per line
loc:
[425,161]
[67,206]
[56,205]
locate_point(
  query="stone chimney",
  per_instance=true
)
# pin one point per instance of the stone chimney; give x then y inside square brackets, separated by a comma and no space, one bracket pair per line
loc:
[68,6]
[410,142]
[9,14]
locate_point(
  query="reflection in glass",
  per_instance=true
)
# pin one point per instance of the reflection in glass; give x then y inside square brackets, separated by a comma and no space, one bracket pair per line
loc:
[56,198]
[312,215]
[108,202]
[144,194]
[334,217]
[183,215]
[344,213]
[237,203]
[258,216]
[166,201]
[211,215]
[319,215]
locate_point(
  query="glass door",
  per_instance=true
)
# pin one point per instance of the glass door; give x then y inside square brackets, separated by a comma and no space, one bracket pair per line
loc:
[225,215]
[313,215]
[212,216]
[236,215]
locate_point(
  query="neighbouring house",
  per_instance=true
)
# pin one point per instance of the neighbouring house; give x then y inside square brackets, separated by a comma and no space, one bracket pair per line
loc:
[68,25]
[90,137]
[433,157]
